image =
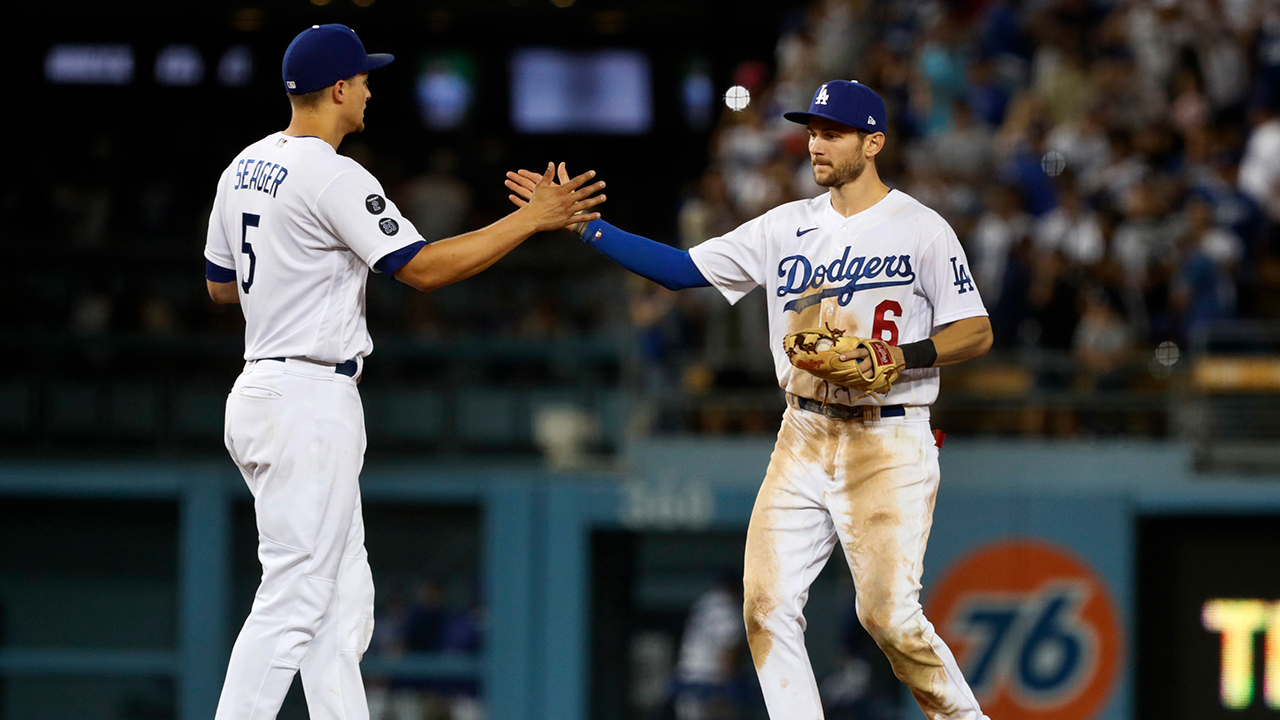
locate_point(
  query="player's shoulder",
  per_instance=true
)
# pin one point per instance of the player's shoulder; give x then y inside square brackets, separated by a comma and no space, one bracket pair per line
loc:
[908,206]
[928,222]
[350,171]
[798,210]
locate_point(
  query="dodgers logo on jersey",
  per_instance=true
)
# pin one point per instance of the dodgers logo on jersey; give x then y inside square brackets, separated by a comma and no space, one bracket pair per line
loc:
[800,274]
[1034,628]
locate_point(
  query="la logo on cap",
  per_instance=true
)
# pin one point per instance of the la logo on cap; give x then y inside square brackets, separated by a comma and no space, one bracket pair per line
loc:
[821,99]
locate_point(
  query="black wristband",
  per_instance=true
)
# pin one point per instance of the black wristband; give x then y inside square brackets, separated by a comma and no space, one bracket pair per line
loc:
[919,354]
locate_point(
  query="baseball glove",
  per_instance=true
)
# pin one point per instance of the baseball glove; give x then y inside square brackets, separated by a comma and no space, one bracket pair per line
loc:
[818,351]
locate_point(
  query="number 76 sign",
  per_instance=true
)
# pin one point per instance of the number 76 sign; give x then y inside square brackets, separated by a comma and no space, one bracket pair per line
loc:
[1034,629]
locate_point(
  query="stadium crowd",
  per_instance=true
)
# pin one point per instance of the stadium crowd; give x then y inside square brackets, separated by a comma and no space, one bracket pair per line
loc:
[1112,168]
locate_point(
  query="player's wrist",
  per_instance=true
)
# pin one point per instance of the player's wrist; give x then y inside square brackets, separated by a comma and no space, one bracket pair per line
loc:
[582,228]
[527,220]
[922,354]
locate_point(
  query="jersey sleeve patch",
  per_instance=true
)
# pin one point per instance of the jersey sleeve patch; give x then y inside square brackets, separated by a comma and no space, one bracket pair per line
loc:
[354,208]
[216,273]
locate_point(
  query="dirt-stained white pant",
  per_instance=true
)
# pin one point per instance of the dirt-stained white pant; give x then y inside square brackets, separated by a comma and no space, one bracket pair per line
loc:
[296,431]
[870,485]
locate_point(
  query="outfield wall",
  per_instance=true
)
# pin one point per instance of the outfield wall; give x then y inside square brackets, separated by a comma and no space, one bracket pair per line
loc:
[1036,571]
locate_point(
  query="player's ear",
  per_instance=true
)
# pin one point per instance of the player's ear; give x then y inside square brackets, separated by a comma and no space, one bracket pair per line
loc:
[873,144]
[336,92]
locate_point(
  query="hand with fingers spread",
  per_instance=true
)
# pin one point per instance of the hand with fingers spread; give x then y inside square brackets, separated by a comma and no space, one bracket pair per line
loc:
[525,182]
[556,205]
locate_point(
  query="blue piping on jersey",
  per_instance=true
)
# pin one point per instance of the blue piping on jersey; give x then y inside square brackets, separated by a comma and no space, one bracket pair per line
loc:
[799,304]
[393,261]
[216,273]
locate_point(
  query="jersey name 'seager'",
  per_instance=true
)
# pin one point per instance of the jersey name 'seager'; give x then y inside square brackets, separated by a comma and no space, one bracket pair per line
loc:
[259,175]
[895,271]
[301,226]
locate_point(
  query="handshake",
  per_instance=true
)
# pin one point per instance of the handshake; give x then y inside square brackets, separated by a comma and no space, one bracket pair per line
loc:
[561,200]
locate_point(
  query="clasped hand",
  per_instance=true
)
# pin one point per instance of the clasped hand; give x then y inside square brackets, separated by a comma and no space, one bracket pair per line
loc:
[528,188]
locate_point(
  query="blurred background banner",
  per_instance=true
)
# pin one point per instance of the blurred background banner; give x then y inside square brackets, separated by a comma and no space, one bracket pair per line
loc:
[562,537]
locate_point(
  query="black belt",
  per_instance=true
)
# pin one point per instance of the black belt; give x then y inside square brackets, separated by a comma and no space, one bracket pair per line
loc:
[347,368]
[846,412]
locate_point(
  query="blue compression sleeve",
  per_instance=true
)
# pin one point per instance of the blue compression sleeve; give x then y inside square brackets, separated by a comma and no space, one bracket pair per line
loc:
[670,267]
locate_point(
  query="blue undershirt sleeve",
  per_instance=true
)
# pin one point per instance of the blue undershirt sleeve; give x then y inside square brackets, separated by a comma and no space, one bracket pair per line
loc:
[217,273]
[393,261]
[670,267]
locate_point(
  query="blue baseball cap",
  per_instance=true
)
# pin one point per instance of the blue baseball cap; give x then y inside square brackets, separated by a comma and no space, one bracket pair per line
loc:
[846,102]
[322,55]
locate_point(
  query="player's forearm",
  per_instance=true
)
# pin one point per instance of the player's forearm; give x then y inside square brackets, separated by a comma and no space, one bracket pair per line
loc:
[962,340]
[457,258]
[670,267]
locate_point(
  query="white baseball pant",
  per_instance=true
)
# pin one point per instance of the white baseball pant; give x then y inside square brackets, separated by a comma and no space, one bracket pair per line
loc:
[871,485]
[296,431]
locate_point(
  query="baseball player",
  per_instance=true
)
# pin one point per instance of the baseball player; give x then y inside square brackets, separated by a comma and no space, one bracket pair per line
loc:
[294,231]
[865,261]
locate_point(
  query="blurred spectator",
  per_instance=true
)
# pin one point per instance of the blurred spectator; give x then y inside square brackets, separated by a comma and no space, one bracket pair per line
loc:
[1051,299]
[707,212]
[1123,169]
[1062,78]
[841,35]
[437,202]
[1144,250]
[941,65]
[1102,343]
[999,230]
[1191,110]
[1083,143]
[1222,52]
[1203,289]
[743,148]
[1071,229]
[988,96]
[1260,167]
[424,623]
[1021,150]
[963,150]
[708,679]
[863,688]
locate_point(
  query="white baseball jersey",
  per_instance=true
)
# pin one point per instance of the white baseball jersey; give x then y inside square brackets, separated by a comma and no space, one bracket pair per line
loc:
[301,226]
[895,271]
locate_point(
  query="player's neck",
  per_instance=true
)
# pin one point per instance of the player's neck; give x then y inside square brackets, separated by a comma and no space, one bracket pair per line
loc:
[305,124]
[852,198]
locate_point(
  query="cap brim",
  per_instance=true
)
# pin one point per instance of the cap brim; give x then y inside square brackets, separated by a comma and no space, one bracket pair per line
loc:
[377,60]
[804,117]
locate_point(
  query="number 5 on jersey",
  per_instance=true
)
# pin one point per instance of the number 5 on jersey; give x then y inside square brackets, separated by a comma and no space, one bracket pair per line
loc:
[248,220]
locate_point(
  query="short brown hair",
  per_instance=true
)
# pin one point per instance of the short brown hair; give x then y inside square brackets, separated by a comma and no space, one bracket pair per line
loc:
[308,99]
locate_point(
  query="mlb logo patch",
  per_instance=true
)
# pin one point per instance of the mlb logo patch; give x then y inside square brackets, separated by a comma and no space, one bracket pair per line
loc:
[290,84]
[280,143]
